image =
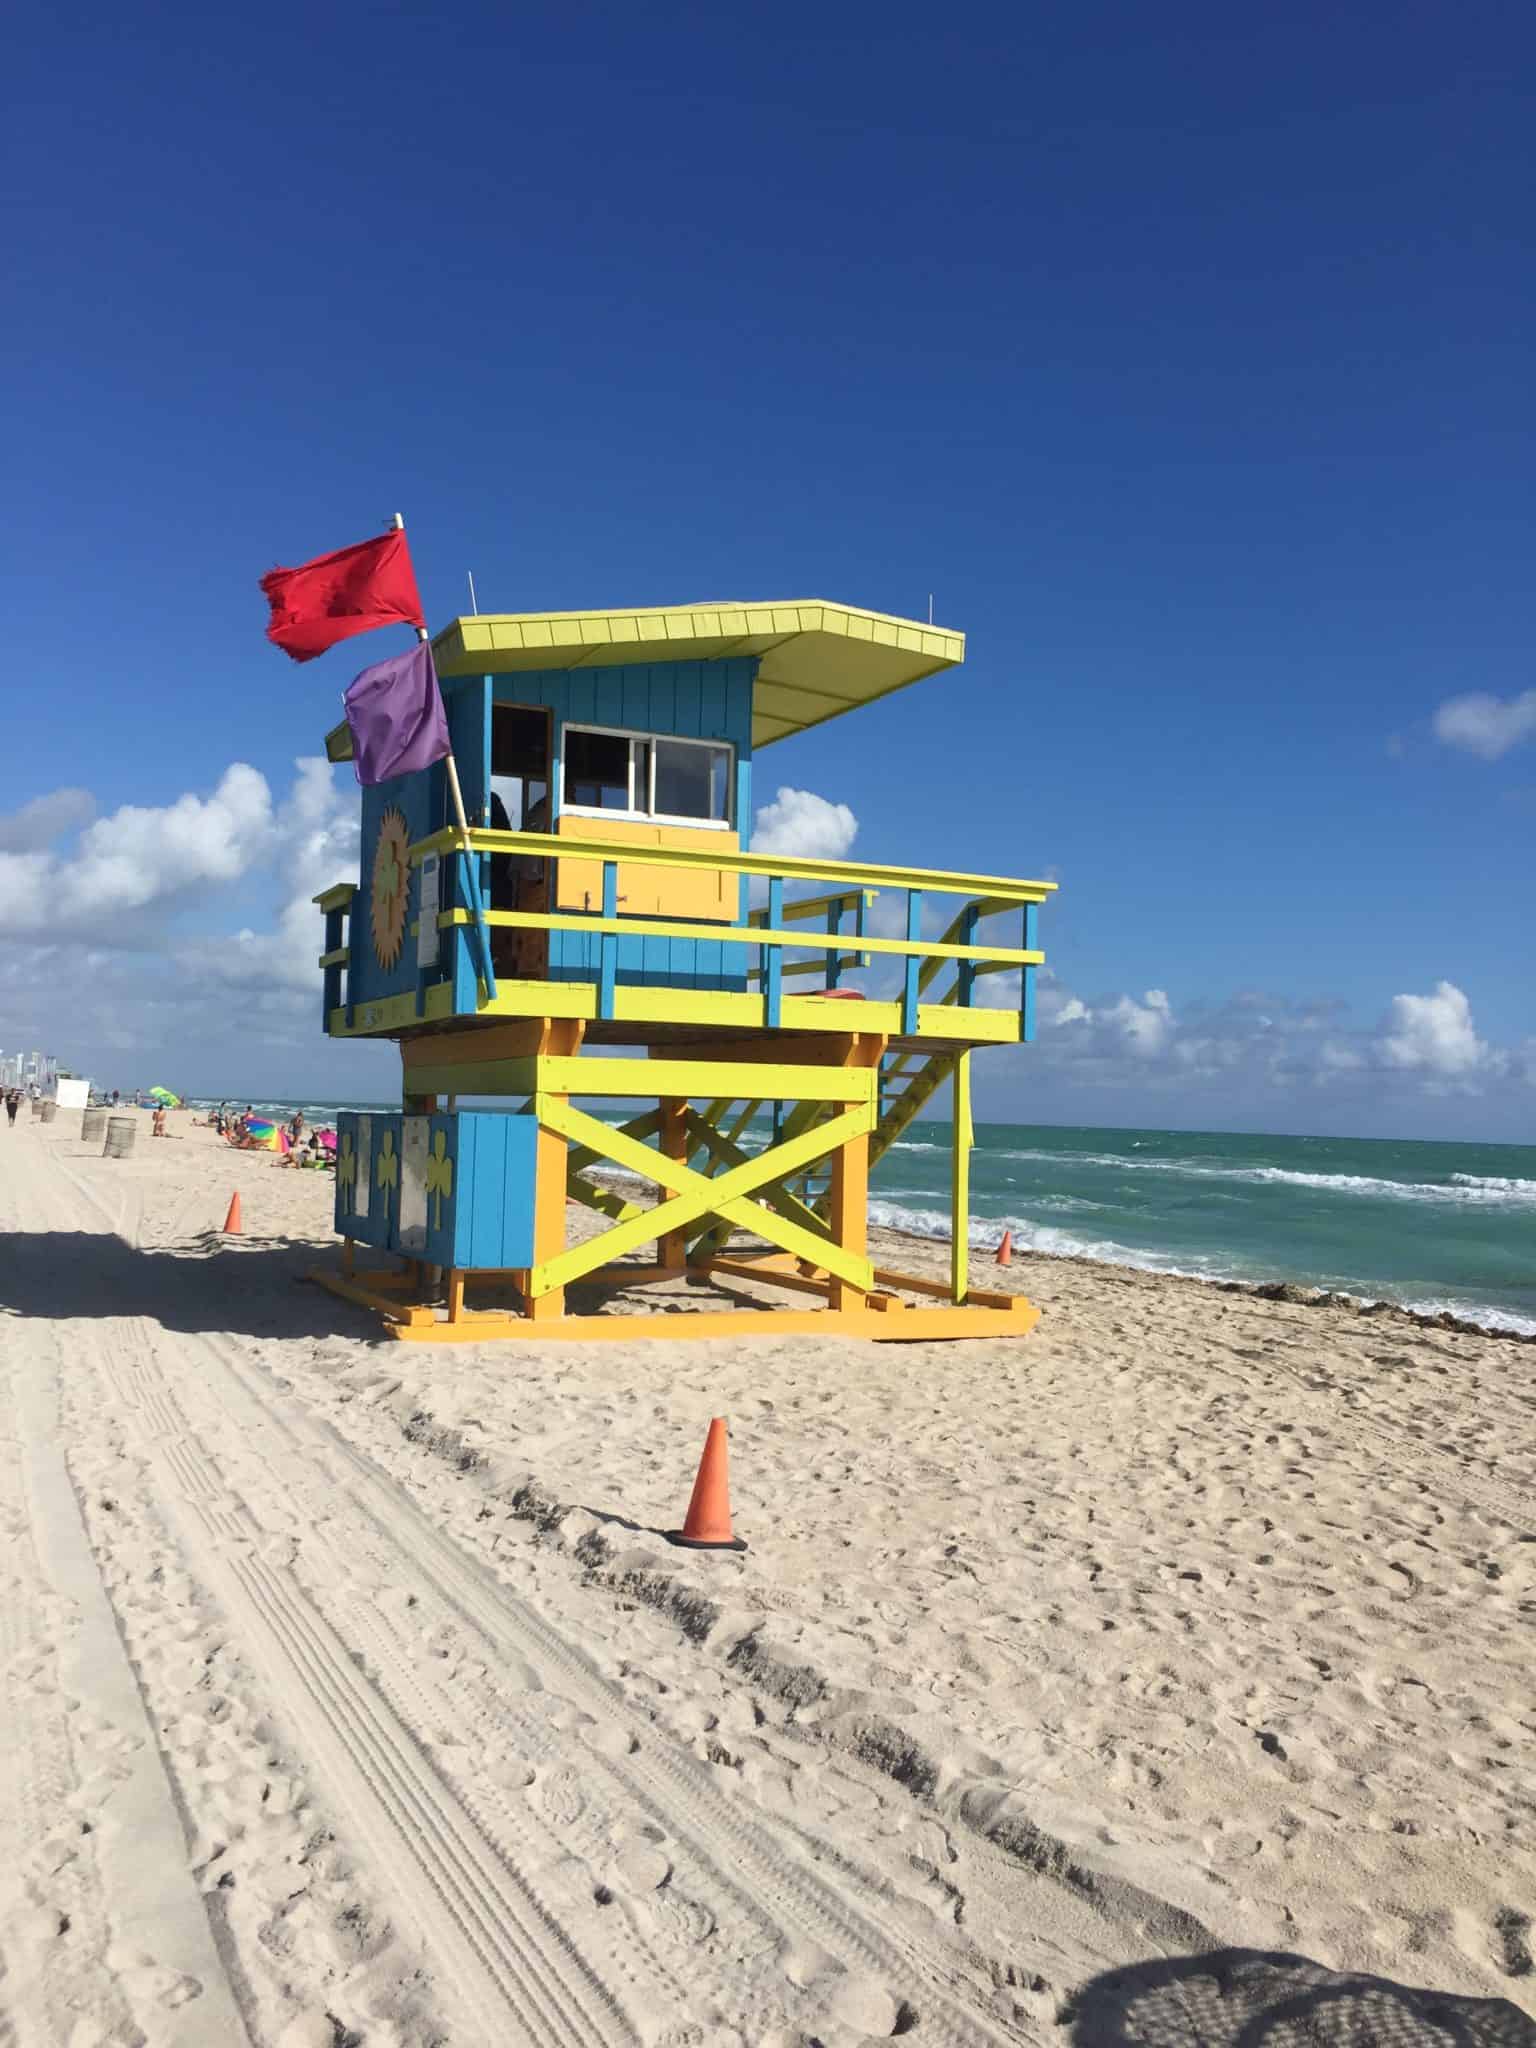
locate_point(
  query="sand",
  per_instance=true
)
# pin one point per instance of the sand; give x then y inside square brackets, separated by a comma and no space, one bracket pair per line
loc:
[1163,1676]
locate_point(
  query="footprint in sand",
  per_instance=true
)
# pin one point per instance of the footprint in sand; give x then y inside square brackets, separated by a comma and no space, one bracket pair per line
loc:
[560,1798]
[640,1869]
[146,1982]
[684,1919]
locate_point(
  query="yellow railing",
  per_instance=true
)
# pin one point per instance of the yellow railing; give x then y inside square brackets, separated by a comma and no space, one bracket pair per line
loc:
[840,876]
[778,927]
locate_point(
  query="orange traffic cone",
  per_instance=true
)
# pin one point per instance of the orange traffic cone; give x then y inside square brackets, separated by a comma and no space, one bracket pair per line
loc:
[708,1526]
[232,1220]
[1005,1249]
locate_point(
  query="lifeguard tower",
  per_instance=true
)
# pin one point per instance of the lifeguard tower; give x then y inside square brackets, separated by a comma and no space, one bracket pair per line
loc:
[603,931]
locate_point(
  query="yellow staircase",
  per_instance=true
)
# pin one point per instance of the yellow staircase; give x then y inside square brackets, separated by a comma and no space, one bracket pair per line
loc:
[910,1076]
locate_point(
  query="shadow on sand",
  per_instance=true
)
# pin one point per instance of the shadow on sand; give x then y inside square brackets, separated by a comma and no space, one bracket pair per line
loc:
[1247,1998]
[248,1286]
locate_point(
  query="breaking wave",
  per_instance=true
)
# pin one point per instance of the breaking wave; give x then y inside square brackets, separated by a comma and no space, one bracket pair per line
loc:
[1490,1318]
[1061,1244]
[1041,1237]
[1493,1190]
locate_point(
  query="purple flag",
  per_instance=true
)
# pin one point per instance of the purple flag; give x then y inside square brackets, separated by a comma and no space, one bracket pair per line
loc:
[396,716]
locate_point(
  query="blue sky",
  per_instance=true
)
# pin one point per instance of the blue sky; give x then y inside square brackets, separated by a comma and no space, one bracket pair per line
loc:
[1183,355]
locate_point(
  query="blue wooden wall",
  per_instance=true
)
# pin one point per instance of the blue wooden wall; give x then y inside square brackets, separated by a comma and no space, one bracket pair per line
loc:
[701,700]
[367,979]
[694,700]
[480,1168]
[467,700]
[691,699]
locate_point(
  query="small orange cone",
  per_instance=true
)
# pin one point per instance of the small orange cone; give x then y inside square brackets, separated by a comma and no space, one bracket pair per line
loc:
[232,1220]
[1005,1249]
[708,1526]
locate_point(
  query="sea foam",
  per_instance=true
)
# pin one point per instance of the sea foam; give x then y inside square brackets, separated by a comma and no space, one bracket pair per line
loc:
[1492,1190]
[1061,1244]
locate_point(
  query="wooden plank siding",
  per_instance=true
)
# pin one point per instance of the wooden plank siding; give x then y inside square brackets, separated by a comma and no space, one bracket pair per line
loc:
[704,700]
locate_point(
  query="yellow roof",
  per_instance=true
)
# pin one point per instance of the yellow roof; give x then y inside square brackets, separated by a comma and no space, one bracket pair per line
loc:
[815,660]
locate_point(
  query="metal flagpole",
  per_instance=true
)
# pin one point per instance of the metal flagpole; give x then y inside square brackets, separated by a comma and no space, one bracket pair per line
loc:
[471,868]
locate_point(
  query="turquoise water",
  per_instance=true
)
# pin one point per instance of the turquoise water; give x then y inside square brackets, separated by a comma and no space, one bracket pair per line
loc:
[1432,1226]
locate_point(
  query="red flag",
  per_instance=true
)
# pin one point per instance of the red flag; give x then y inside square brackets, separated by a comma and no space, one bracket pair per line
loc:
[334,596]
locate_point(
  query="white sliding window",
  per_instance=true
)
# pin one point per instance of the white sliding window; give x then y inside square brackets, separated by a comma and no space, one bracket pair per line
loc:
[638,775]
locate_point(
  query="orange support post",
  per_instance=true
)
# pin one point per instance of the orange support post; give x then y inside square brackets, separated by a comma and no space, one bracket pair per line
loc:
[672,1247]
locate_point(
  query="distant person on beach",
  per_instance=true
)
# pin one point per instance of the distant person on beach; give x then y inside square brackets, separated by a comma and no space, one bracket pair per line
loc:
[296,1127]
[12,1104]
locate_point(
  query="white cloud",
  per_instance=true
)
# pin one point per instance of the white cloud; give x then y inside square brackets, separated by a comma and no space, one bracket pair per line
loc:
[1486,725]
[804,825]
[1123,1028]
[1257,1043]
[37,824]
[220,1012]
[1147,1026]
[139,857]
[107,976]
[317,833]
[1433,1033]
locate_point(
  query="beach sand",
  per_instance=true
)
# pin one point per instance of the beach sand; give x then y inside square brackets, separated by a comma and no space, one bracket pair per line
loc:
[1162,1676]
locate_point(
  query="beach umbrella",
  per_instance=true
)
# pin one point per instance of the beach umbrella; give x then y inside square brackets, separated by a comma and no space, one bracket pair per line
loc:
[327,1140]
[265,1136]
[165,1098]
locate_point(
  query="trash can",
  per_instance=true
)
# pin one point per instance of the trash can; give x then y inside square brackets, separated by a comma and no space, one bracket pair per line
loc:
[49,1111]
[121,1132]
[93,1126]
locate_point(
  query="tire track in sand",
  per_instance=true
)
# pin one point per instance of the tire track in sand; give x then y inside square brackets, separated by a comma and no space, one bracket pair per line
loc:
[95,1853]
[411,1821]
[746,1859]
[518,1973]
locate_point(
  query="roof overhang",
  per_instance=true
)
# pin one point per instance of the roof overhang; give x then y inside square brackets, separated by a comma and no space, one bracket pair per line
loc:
[815,660]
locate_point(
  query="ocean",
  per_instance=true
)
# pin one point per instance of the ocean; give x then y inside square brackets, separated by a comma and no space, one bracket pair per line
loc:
[1430,1226]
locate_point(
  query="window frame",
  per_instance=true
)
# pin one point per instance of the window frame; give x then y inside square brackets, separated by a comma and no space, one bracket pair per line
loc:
[650,741]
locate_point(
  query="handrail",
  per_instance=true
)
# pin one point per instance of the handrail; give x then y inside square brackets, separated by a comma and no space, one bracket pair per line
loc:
[772,933]
[837,900]
[852,874]
[643,927]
